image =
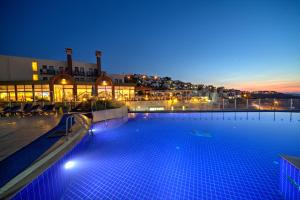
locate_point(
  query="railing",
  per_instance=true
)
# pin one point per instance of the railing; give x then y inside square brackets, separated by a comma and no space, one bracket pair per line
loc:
[217,105]
[69,124]
[188,104]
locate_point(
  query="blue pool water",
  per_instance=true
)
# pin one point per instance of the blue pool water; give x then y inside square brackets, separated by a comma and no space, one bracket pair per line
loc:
[184,156]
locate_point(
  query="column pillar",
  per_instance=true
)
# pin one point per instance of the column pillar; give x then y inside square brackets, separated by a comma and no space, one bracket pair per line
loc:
[51,88]
[113,92]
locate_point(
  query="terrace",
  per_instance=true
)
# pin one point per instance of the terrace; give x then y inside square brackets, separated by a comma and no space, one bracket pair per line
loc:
[190,151]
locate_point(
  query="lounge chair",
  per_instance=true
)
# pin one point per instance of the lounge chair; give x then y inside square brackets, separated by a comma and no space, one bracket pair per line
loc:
[35,109]
[48,108]
[5,110]
[26,109]
[14,110]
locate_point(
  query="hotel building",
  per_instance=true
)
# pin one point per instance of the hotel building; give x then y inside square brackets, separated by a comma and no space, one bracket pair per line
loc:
[31,79]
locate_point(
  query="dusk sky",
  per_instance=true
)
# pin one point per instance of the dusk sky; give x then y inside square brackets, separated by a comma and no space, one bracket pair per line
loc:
[245,44]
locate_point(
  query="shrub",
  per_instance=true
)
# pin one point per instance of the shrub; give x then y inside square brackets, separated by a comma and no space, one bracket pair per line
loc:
[106,104]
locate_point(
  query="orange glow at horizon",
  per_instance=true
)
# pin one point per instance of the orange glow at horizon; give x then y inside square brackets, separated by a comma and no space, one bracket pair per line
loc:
[279,86]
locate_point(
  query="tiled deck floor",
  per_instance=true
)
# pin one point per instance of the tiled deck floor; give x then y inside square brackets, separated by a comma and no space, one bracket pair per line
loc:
[17,132]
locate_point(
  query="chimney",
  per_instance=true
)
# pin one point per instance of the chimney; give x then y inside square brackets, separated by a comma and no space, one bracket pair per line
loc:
[69,61]
[98,60]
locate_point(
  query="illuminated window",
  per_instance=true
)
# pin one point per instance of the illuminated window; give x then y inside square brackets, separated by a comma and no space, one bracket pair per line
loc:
[24,93]
[105,92]
[124,93]
[35,77]
[11,92]
[3,93]
[41,92]
[63,93]
[28,88]
[3,88]
[84,91]
[34,66]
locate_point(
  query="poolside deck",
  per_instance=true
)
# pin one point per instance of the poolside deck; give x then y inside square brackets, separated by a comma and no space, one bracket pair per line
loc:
[17,132]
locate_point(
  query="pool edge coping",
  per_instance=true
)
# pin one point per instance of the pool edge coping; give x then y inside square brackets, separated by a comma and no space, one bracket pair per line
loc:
[215,111]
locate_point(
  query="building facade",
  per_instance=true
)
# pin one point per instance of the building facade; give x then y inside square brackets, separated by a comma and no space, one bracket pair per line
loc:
[31,79]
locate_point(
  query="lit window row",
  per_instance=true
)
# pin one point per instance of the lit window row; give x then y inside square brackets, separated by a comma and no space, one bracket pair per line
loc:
[24,93]
[41,92]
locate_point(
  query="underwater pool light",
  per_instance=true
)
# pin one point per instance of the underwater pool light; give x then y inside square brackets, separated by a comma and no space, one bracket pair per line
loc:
[69,164]
[91,131]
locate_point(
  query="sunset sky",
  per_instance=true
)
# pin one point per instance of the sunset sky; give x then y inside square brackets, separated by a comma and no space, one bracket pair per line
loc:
[250,44]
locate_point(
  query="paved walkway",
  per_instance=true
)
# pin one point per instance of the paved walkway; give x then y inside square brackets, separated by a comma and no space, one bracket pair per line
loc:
[17,132]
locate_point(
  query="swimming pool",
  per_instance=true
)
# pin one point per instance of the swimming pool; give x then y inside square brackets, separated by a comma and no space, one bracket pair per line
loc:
[179,156]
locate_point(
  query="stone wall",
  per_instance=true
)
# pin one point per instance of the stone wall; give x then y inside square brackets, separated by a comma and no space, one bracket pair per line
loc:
[102,115]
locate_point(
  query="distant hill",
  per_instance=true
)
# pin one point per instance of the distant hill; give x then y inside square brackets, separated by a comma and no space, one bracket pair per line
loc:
[276,96]
[294,93]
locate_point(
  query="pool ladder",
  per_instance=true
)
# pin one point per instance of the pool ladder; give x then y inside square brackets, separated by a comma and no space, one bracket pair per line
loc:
[69,124]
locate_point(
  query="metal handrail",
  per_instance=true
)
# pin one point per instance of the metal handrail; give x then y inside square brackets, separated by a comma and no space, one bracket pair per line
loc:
[67,123]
